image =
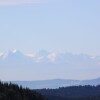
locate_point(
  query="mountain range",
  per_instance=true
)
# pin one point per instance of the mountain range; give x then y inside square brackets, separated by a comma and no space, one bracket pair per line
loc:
[15,65]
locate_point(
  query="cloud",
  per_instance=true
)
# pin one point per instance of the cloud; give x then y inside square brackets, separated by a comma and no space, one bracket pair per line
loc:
[15,2]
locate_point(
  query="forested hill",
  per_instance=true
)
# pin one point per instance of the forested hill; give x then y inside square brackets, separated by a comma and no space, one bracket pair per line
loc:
[72,93]
[14,92]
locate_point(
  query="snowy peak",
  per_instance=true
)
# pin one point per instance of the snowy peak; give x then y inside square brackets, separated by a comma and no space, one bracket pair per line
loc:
[1,54]
[14,51]
[53,57]
[11,54]
[15,56]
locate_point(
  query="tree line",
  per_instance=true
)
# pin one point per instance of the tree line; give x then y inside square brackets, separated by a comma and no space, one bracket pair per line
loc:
[9,91]
[72,93]
[14,92]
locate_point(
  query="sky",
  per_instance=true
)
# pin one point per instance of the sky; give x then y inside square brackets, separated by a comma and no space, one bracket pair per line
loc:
[53,25]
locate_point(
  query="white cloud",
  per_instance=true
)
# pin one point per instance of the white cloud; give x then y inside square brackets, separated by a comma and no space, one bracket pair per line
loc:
[14,2]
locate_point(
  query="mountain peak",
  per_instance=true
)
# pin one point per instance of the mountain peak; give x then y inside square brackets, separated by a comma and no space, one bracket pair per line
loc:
[14,51]
[13,54]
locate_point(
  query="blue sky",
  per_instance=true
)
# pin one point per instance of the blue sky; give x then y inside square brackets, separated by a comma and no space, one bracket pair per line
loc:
[58,25]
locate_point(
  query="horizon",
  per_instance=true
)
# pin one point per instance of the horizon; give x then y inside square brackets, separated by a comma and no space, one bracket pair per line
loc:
[52,79]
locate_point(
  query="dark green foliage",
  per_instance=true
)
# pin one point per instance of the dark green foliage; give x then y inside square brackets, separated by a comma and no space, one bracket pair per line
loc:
[14,92]
[72,93]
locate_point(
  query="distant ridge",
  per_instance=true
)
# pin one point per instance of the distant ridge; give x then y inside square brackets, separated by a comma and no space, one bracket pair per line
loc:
[56,83]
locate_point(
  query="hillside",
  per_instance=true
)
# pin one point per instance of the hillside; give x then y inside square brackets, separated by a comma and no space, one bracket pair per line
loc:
[14,92]
[72,93]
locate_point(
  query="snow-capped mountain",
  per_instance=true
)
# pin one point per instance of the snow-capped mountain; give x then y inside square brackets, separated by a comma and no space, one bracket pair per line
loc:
[14,57]
[44,55]
[48,65]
